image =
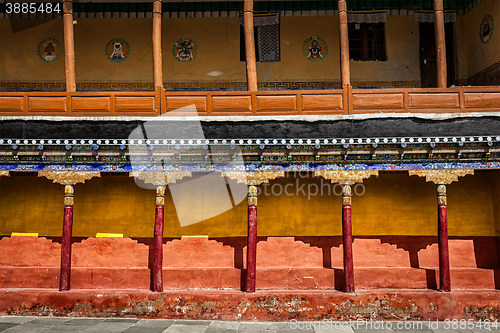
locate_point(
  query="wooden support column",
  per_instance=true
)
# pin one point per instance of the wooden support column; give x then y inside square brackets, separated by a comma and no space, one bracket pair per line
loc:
[64,281]
[157,57]
[345,74]
[251,240]
[442,76]
[69,45]
[442,178]
[158,241]
[160,179]
[347,238]
[69,179]
[250,45]
[444,254]
[252,179]
[346,179]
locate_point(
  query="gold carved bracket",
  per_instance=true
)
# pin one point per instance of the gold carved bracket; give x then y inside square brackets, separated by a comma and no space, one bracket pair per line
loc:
[159,178]
[253,177]
[68,177]
[4,173]
[346,177]
[441,177]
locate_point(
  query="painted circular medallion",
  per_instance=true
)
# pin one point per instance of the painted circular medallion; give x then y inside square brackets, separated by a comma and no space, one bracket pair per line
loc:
[486,29]
[315,49]
[49,50]
[185,50]
[117,50]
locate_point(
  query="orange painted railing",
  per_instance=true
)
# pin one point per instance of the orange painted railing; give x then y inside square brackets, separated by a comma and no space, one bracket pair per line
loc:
[223,103]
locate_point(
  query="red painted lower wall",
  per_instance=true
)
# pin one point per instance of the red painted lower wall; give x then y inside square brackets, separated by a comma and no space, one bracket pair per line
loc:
[282,263]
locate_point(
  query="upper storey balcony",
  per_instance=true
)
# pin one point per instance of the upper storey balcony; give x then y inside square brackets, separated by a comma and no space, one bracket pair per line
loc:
[249,58]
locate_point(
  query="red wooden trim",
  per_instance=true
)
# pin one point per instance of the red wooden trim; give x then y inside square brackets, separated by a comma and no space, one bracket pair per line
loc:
[251,249]
[347,242]
[158,251]
[444,256]
[64,281]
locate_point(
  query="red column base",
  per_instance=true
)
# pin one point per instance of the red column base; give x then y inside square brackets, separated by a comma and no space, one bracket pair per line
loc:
[251,249]
[64,281]
[157,283]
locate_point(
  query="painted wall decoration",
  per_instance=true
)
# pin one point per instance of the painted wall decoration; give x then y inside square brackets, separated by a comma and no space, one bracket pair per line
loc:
[315,49]
[117,50]
[49,50]
[486,29]
[185,50]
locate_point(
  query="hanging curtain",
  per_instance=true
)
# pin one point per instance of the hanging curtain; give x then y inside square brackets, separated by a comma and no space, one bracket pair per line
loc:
[375,17]
[263,20]
[428,17]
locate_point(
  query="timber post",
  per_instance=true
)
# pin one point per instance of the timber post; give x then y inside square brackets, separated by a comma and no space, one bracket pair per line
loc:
[69,45]
[157,284]
[442,178]
[442,77]
[157,56]
[251,63]
[344,44]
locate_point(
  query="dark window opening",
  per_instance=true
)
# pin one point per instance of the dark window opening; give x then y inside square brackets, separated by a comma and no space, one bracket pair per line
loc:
[367,41]
[267,43]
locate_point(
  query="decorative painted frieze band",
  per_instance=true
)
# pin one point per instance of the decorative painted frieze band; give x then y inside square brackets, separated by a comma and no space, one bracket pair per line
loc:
[441,177]
[346,177]
[68,177]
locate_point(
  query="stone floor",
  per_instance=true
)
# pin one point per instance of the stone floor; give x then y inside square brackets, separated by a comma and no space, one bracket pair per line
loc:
[130,325]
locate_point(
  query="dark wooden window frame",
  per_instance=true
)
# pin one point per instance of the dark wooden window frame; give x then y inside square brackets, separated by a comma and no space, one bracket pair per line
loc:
[360,47]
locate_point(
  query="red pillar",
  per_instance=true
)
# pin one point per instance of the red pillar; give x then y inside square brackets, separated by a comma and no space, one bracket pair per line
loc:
[158,241]
[64,280]
[444,255]
[251,240]
[347,239]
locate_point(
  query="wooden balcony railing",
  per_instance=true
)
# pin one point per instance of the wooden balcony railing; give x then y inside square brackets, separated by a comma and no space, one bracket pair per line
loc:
[217,103]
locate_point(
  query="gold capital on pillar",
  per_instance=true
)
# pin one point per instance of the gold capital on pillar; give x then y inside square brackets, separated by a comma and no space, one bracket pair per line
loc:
[160,177]
[346,177]
[252,195]
[68,177]
[441,177]
[4,173]
[160,195]
[253,177]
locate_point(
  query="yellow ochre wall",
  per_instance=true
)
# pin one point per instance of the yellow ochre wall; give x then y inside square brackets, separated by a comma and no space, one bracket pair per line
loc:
[473,54]
[91,37]
[403,55]
[218,42]
[393,204]
[19,61]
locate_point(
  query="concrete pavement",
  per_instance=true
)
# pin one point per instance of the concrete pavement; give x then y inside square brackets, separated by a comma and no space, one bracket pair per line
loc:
[30,324]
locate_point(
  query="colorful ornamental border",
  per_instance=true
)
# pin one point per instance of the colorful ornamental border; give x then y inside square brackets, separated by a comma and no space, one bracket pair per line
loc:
[117,53]
[184,50]
[486,29]
[52,50]
[315,52]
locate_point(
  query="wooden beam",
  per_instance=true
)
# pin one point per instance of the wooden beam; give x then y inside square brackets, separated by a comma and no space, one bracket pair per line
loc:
[442,77]
[157,57]
[345,73]
[69,45]
[250,46]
